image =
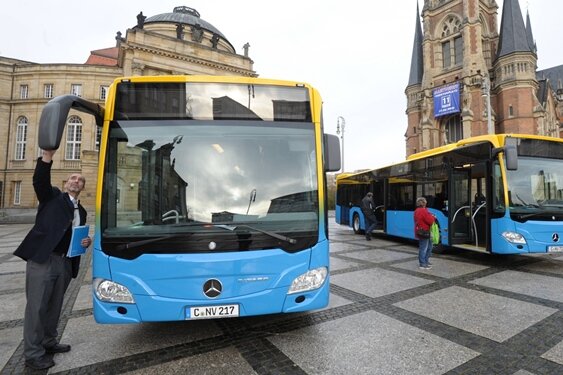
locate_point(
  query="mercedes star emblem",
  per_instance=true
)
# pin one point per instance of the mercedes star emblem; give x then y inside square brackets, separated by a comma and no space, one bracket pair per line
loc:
[212,288]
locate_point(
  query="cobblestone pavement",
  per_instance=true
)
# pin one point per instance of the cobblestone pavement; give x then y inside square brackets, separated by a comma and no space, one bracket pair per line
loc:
[471,314]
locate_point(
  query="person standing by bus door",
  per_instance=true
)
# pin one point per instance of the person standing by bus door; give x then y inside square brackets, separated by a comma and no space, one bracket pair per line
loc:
[423,219]
[368,209]
[48,269]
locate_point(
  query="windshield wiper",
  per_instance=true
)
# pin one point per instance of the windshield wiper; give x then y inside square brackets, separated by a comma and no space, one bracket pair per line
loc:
[134,244]
[266,232]
[526,204]
[539,213]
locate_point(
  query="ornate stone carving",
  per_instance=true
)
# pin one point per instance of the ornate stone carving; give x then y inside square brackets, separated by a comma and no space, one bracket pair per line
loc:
[179,31]
[197,33]
[141,20]
[214,40]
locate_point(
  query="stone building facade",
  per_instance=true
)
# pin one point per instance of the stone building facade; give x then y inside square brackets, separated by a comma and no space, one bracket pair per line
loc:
[459,47]
[180,42]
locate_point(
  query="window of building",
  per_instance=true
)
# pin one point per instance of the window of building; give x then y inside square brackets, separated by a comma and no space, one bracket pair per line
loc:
[446,54]
[453,129]
[98,137]
[21,138]
[24,91]
[76,89]
[48,90]
[458,50]
[103,92]
[452,43]
[73,138]
[17,192]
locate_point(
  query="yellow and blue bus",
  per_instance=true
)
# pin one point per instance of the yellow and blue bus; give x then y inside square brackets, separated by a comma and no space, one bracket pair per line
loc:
[500,194]
[211,197]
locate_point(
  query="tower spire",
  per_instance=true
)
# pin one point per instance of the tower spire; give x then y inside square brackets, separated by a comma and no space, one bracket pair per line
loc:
[513,36]
[417,63]
[529,34]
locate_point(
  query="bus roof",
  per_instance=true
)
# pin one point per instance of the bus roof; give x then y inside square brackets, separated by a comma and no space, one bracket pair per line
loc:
[211,79]
[497,140]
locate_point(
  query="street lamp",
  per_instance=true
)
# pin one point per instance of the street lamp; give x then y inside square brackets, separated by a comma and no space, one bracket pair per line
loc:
[340,122]
[486,88]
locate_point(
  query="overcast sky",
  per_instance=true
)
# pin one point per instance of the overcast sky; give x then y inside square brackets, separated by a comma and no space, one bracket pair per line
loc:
[357,53]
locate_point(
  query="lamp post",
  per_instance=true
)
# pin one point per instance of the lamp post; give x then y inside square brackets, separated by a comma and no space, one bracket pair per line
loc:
[341,123]
[487,93]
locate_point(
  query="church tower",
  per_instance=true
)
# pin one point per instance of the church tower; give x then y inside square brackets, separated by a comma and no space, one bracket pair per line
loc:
[457,47]
[460,61]
[515,74]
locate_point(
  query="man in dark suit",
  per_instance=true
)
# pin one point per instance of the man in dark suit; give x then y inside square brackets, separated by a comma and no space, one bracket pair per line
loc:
[48,269]
[368,209]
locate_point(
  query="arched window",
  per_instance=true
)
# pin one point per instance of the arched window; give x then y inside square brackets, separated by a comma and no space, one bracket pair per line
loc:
[21,138]
[73,138]
[452,43]
[453,128]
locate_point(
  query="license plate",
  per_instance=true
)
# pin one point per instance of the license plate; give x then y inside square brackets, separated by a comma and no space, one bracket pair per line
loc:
[214,311]
[555,249]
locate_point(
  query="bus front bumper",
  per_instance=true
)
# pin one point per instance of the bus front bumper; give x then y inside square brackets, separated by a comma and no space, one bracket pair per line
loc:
[157,309]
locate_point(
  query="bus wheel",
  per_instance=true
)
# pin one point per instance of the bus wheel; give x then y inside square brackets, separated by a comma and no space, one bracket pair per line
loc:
[356,224]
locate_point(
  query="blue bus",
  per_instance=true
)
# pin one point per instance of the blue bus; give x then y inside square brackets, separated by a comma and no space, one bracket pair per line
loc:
[498,194]
[211,197]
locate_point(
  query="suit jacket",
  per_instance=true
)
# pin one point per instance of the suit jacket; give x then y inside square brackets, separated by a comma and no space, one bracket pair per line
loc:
[53,222]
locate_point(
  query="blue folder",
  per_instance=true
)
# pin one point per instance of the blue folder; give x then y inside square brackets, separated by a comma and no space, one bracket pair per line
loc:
[78,234]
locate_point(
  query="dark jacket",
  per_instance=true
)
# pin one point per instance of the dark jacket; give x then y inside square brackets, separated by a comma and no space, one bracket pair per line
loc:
[368,208]
[53,222]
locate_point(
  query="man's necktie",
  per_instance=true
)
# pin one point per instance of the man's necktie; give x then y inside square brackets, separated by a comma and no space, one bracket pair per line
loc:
[76,220]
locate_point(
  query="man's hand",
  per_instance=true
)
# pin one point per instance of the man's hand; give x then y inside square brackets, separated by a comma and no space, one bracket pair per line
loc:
[87,241]
[48,155]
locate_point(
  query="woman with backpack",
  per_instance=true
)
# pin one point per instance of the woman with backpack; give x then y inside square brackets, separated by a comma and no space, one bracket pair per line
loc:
[423,219]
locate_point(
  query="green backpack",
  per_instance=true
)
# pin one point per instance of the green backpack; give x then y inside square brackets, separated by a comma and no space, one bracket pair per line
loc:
[435,234]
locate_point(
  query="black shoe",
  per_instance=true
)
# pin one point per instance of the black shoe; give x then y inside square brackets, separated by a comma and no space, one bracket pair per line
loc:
[41,363]
[58,348]
[368,238]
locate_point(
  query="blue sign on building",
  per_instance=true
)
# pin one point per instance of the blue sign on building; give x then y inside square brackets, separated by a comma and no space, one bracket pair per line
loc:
[446,99]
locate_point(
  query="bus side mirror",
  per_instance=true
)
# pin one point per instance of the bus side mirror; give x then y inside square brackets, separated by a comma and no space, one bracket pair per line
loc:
[511,153]
[510,150]
[332,153]
[54,116]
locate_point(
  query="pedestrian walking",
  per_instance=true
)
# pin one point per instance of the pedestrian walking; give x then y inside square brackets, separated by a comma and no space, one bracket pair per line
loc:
[368,209]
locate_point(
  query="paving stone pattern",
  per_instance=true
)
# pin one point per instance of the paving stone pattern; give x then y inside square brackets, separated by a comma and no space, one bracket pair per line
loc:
[471,314]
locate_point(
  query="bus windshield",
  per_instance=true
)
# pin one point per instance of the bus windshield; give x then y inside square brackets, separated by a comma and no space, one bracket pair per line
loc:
[174,176]
[537,186]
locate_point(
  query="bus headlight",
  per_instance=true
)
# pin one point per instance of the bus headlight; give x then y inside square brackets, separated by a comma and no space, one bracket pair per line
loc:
[310,280]
[514,237]
[108,291]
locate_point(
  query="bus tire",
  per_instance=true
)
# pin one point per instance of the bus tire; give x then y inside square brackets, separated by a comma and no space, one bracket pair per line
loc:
[356,224]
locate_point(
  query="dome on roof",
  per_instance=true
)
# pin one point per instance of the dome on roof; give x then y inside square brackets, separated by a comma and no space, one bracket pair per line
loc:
[187,16]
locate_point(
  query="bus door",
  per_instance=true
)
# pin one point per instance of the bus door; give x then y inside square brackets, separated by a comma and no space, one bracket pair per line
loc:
[378,189]
[459,211]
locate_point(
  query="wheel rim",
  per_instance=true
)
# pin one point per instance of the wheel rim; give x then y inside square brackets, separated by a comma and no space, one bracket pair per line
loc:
[356,223]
